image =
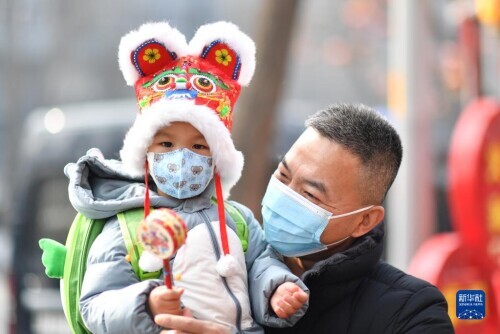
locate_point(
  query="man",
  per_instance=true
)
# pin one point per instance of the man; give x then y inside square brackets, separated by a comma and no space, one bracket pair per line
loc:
[323,211]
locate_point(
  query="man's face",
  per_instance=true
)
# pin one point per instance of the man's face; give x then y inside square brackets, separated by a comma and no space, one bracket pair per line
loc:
[326,174]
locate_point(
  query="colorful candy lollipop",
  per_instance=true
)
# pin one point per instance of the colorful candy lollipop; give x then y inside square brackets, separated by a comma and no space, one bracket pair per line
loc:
[162,233]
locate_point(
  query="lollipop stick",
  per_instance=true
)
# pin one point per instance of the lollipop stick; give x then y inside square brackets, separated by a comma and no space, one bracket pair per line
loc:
[167,274]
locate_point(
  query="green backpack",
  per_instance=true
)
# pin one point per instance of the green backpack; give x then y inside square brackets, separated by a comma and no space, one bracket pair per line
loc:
[68,262]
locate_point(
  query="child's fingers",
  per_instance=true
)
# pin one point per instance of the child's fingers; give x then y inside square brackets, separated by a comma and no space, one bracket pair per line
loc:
[187,313]
[301,296]
[291,287]
[286,307]
[171,294]
[280,313]
[294,303]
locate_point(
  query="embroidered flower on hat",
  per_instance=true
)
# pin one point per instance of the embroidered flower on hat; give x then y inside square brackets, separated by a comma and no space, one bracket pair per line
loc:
[223,57]
[151,55]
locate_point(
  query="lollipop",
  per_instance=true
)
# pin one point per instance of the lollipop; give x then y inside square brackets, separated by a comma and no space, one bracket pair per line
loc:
[162,233]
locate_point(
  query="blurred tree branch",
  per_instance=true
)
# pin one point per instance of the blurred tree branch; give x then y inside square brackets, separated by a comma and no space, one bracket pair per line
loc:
[255,114]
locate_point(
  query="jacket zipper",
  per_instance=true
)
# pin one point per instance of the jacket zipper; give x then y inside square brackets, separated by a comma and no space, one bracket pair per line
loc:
[215,244]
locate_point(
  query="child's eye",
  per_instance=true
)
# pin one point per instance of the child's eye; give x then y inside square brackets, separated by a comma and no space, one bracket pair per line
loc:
[166,144]
[200,147]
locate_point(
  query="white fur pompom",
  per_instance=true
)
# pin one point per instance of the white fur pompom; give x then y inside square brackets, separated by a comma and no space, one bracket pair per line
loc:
[150,262]
[227,265]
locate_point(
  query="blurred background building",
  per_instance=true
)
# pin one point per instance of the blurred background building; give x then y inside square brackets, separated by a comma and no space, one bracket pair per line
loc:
[409,59]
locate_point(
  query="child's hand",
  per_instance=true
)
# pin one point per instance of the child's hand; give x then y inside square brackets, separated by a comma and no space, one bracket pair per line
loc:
[288,299]
[163,300]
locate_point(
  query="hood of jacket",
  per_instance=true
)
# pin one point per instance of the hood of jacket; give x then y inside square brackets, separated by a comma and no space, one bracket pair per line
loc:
[100,188]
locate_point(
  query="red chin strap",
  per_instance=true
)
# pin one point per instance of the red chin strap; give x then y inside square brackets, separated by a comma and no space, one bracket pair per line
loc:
[222,214]
[146,195]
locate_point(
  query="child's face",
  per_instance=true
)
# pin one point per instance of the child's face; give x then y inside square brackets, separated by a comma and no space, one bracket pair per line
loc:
[179,135]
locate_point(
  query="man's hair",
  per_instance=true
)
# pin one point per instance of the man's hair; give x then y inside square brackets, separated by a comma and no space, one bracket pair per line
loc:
[364,133]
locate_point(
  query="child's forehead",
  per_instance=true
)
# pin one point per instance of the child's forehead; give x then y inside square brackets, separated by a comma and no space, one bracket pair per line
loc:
[179,129]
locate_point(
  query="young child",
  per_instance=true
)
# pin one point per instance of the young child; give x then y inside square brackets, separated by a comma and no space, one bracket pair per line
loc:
[181,139]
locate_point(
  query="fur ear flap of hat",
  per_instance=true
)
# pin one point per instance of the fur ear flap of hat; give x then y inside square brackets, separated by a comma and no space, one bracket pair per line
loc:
[152,36]
[228,34]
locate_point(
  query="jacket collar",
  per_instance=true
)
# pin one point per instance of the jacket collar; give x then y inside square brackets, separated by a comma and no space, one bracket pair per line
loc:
[355,262]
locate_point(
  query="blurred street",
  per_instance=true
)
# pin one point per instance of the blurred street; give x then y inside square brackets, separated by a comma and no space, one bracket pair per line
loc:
[420,64]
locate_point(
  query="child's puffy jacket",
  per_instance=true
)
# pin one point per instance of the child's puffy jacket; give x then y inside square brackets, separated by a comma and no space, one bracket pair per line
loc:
[113,300]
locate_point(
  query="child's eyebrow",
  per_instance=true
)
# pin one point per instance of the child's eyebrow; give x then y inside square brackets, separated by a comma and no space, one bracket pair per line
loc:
[163,133]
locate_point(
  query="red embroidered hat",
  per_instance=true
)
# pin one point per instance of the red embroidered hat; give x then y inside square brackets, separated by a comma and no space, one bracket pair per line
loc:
[197,82]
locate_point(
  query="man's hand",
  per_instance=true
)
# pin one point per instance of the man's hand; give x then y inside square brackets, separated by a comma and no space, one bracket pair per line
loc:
[186,324]
[163,300]
[288,299]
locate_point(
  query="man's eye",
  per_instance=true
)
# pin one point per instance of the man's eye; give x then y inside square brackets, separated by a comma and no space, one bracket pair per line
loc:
[310,196]
[166,144]
[281,176]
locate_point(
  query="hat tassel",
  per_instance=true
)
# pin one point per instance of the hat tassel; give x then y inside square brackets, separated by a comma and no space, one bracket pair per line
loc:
[227,265]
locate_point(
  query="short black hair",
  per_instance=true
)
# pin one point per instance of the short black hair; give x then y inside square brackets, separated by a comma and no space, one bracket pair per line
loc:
[366,134]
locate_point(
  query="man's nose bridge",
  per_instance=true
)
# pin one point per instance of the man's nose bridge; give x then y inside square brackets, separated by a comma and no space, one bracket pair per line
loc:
[294,185]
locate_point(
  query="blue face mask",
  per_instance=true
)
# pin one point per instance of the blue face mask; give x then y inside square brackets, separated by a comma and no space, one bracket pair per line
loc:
[292,224]
[181,173]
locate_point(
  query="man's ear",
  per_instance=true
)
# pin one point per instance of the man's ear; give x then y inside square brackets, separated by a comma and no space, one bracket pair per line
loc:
[371,218]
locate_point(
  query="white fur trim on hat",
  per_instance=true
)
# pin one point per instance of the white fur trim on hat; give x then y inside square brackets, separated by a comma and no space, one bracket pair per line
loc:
[162,32]
[227,160]
[231,35]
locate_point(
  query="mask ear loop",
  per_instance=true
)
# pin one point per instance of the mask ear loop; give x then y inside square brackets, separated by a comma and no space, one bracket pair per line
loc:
[345,215]
[351,213]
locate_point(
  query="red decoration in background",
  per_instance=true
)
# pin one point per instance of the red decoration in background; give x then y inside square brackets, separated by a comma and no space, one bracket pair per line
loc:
[474,177]
[469,259]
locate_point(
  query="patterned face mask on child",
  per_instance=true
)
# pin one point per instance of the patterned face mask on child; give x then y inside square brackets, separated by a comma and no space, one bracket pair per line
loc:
[292,224]
[181,173]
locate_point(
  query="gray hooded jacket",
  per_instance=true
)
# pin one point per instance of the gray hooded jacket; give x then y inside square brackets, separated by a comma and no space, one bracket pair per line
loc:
[113,300]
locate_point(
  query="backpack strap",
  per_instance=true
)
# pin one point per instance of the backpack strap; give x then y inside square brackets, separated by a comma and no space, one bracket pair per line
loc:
[239,220]
[129,221]
[80,238]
